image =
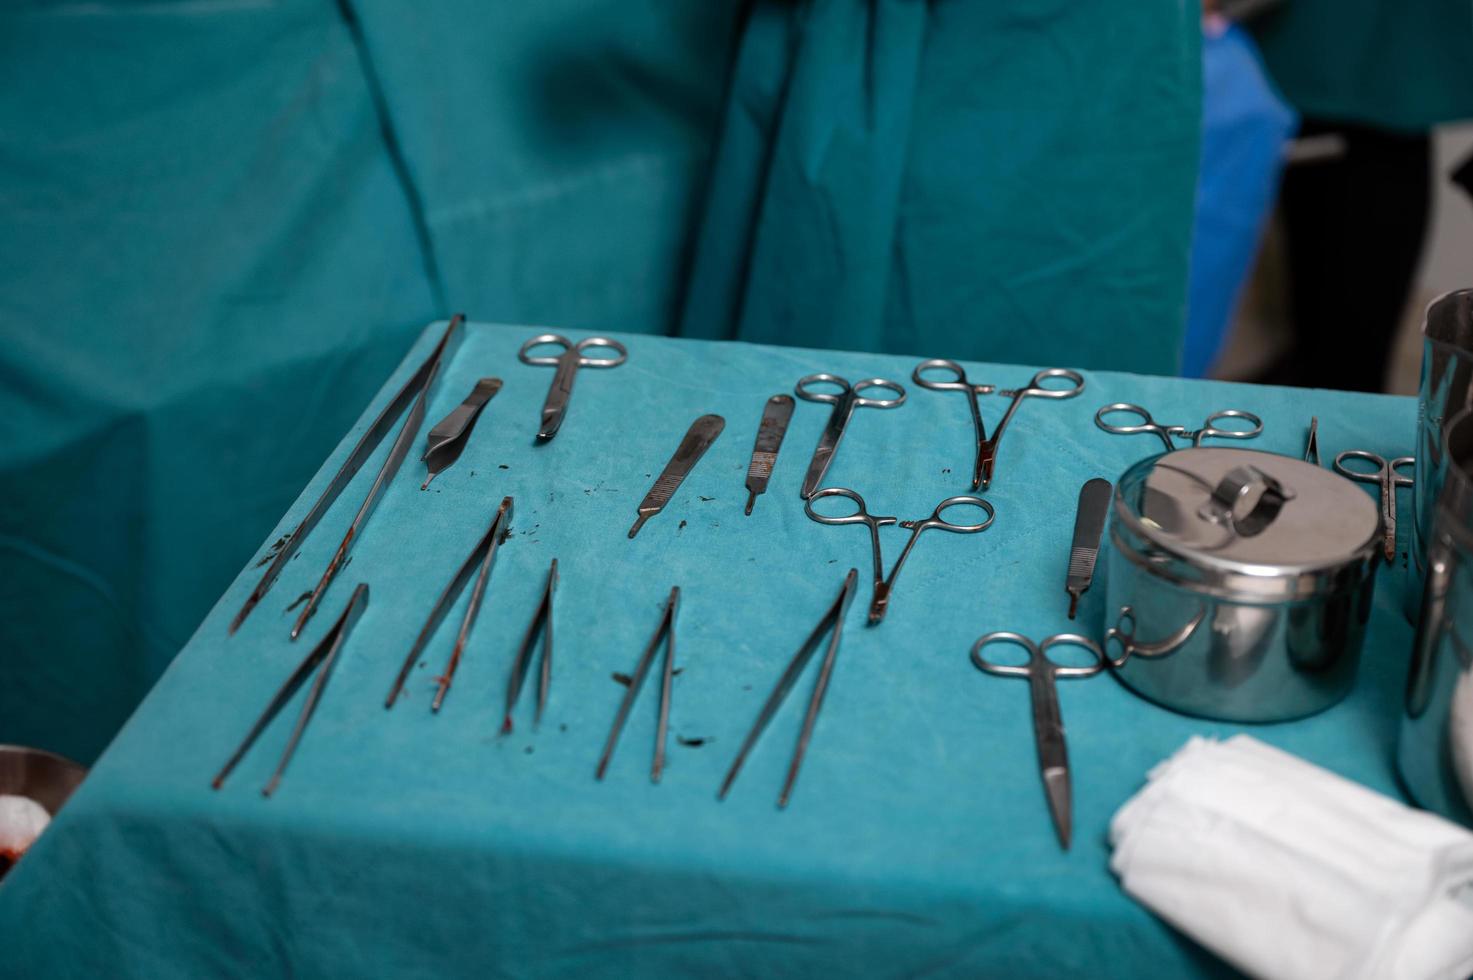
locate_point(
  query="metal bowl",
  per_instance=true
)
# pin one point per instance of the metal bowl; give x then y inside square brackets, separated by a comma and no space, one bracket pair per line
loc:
[42,776]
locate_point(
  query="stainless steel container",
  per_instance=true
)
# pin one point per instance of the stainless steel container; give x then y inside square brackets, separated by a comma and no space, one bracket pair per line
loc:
[47,778]
[1446,389]
[1435,752]
[1239,582]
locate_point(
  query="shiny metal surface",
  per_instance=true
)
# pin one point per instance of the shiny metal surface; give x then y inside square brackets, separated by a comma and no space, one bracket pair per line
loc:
[664,632]
[1312,442]
[1168,434]
[555,408]
[956,380]
[44,777]
[845,401]
[448,436]
[1089,526]
[1387,480]
[1239,582]
[775,416]
[1042,674]
[1446,389]
[1435,748]
[698,438]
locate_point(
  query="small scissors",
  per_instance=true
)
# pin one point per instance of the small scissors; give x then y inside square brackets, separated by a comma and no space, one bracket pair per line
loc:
[1167,433]
[1048,724]
[883,586]
[567,364]
[1384,474]
[845,401]
[987,448]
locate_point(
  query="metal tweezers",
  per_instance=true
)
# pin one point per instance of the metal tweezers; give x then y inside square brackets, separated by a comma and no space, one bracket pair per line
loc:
[542,617]
[834,619]
[665,630]
[415,396]
[320,659]
[481,556]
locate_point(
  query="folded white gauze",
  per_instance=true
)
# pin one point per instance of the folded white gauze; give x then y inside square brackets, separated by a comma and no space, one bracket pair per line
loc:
[1287,871]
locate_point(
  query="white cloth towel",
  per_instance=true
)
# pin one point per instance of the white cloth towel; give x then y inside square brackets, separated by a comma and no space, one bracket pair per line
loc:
[1286,870]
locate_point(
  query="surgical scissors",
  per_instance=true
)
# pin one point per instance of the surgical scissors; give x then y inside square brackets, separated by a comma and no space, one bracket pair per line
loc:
[987,448]
[845,401]
[567,364]
[1167,433]
[884,587]
[1386,476]
[1042,673]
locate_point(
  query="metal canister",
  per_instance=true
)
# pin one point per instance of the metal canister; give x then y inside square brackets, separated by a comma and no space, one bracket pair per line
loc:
[1435,752]
[1445,390]
[1239,582]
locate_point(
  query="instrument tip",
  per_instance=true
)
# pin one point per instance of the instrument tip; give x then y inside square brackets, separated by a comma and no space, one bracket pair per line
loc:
[506,725]
[426,485]
[638,523]
[751,499]
[1073,604]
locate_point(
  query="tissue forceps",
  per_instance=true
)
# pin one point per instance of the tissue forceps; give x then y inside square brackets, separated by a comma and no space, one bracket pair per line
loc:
[832,620]
[1169,433]
[1042,673]
[320,659]
[986,457]
[845,401]
[555,408]
[1386,476]
[542,617]
[415,397]
[884,587]
[665,631]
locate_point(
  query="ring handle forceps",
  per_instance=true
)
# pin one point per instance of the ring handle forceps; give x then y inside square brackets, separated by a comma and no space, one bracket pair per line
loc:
[1042,673]
[833,620]
[555,408]
[414,395]
[1388,479]
[665,631]
[481,557]
[1169,433]
[845,401]
[986,458]
[542,617]
[320,659]
[885,587]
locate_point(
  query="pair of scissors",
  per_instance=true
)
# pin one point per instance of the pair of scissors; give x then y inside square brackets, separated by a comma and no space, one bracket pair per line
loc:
[1386,476]
[987,448]
[1042,673]
[845,401]
[885,586]
[1169,433]
[567,364]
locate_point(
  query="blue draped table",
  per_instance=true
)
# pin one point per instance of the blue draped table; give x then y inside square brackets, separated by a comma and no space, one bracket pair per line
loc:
[410,844]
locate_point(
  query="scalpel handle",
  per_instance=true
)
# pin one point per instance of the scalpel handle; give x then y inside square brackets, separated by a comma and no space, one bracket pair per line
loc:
[703,431]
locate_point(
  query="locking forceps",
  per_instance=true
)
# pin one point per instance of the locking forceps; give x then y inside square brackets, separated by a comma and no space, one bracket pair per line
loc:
[1168,434]
[884,587]
[1385,475]
[986,458]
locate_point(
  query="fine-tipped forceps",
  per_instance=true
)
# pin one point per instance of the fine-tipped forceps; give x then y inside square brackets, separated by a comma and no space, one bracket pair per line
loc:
[567,364]
[415,396]
[884,587]
[1169,433]
[481,557]
[987,448]
[665,631]
[320,659]
[832,620]
[845,401]
[1312,443]
[1042,672]
[542,617]
[1386,476]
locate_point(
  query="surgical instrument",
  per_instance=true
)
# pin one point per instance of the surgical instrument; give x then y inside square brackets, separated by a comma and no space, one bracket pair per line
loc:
[1169,433]
[1042,672]
[986,458]
[480,557]
[321,660]
[833,620]
[665,631]
[769,440]
[567,363]
[1388,479]
[448,437]
[1089,525]
[845,401]
[1312,444]
[698,438]
[542,617]
[884,587]
[414,395]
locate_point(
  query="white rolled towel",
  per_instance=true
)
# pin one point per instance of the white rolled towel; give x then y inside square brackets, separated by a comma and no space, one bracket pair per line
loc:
[1287,870]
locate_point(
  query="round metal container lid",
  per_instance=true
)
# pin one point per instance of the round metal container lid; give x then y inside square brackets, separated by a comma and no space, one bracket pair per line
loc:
[1248,513]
